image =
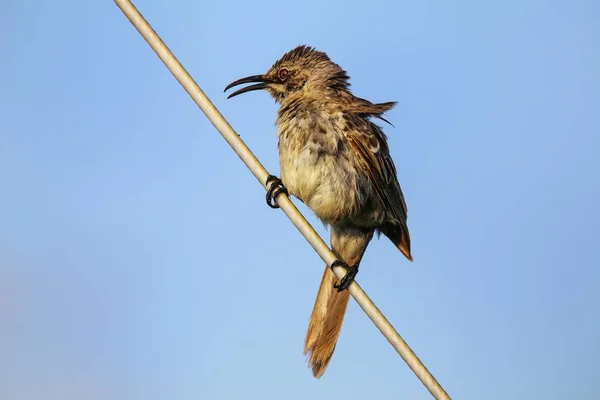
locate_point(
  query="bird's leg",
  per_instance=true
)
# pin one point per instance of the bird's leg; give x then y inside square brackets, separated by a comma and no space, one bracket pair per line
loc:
[275,189]
[351,272]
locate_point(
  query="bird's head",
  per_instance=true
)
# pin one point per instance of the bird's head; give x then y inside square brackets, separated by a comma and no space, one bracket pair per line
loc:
[302,71]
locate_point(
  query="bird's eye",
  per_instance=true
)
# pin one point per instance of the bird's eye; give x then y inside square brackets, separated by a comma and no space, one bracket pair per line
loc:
[283,73]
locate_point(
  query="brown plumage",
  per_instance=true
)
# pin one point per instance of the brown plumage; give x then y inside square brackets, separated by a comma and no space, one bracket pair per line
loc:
[337,161]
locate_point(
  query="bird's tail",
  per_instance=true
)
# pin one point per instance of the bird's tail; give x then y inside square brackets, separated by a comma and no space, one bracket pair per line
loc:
[325,324]
[349,245]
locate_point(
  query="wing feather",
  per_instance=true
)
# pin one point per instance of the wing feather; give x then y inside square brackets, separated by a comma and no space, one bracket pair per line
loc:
[370,146]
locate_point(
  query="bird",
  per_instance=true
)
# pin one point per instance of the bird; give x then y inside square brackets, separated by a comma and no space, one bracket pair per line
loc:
[336,160]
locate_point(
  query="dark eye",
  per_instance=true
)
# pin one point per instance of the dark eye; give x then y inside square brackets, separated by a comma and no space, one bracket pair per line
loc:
[283,73]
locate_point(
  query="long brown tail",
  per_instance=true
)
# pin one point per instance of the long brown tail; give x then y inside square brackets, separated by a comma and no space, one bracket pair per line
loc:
[348,244]
[325,324]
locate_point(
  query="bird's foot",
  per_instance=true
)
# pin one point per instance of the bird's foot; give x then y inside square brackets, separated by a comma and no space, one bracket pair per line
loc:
[348,278]
[275,189]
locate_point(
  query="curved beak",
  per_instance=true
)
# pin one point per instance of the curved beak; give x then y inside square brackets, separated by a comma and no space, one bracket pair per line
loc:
[264,83]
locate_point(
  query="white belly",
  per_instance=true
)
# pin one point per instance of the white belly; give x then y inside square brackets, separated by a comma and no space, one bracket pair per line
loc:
[327,184]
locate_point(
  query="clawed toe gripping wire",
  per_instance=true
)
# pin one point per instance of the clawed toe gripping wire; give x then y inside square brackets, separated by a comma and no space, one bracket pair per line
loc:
[351,272]
[275,189]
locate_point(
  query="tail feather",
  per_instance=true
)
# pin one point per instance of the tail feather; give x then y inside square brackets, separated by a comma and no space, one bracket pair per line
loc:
[349,244]
[325,324]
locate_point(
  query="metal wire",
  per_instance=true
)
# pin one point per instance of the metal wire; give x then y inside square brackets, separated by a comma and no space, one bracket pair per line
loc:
[283,201]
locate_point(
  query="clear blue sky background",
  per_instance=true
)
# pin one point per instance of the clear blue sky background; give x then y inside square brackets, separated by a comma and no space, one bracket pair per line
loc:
[138,259]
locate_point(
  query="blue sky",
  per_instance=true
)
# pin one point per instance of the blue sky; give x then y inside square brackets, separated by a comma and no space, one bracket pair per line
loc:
[139,260]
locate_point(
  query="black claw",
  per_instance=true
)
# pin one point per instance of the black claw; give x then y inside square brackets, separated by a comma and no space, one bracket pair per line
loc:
[275,189]
[348,278]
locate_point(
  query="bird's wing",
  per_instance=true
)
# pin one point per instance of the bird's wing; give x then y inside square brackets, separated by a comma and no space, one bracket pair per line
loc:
[370,146]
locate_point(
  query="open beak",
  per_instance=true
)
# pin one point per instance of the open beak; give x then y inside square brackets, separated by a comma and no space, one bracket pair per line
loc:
[264,83]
